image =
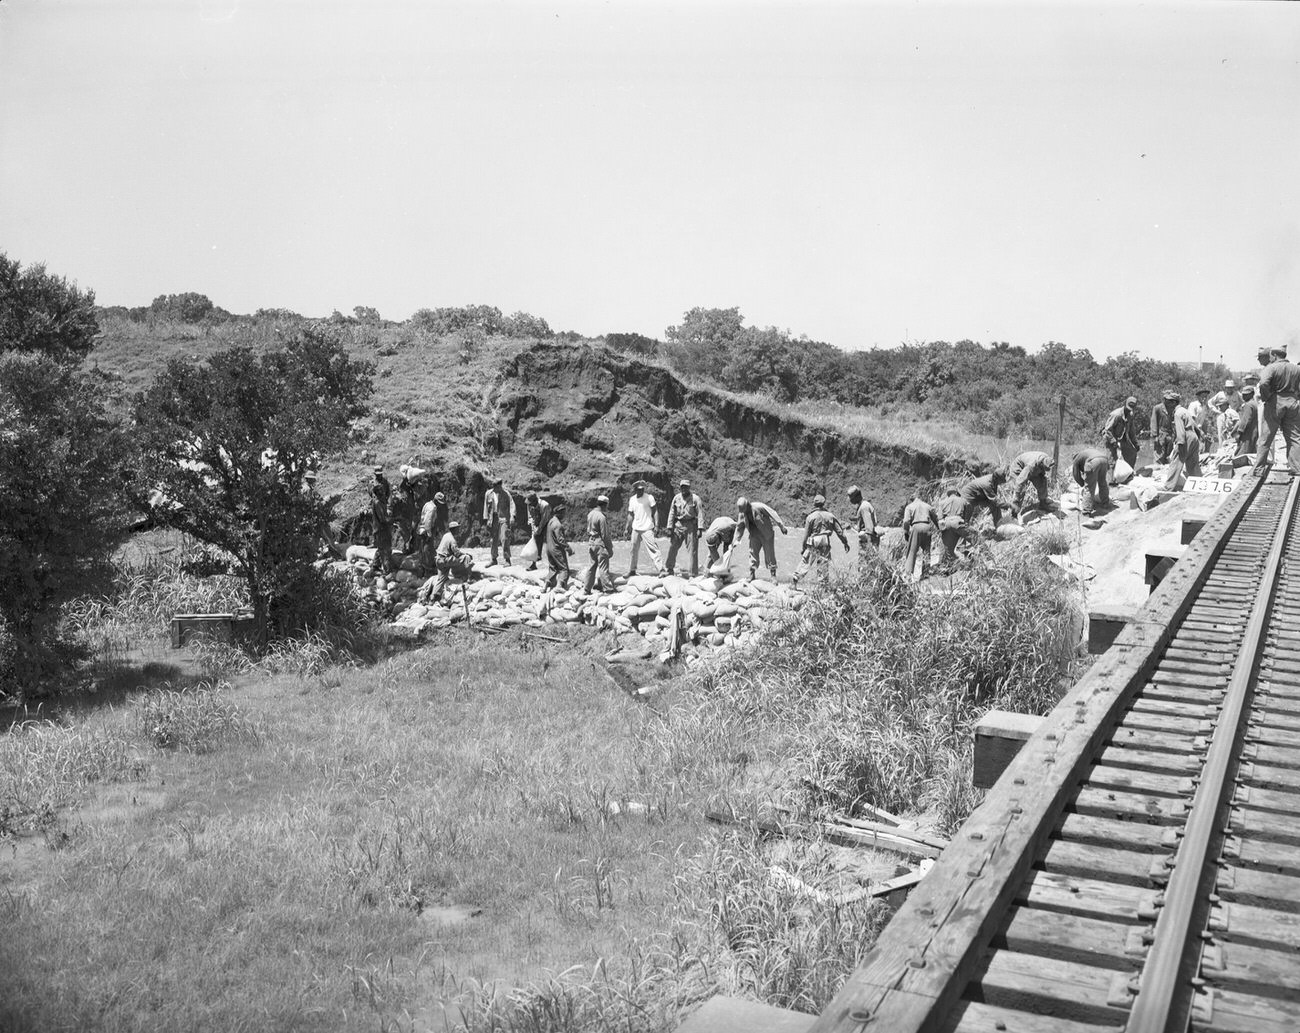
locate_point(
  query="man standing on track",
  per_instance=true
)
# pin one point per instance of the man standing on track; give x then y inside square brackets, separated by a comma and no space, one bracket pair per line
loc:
[641,527]
[1280,389]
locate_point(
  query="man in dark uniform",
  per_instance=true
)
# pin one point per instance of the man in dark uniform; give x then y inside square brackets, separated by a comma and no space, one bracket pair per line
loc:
[1120,435]
[1279,387]
[1162,428]
[380,493]
[982,493]
[1091,465]
[1248,428]
[1031,470]
[951,512]
[600,545]
[919,522]
[558,549]
[685,522]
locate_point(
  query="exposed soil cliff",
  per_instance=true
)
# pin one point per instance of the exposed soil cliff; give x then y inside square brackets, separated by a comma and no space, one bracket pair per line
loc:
[575,420]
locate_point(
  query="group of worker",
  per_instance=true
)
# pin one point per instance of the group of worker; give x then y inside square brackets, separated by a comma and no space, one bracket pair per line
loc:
[1233,423]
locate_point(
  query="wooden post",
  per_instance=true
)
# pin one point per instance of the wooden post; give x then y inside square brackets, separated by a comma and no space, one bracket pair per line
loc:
[1060,429]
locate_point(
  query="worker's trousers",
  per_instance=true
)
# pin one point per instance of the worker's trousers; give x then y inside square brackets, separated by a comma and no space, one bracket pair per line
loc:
[1095,484]
[558,561]
[383,560]
[689,536]
[646,538]
[499,536]
[1280,413]
[816,558]
[760,544]
[1183,466]
[1037,481]
[918,547]
[598,571]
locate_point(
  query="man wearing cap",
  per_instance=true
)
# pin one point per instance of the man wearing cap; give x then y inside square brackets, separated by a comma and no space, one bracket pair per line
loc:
[558,549]
[1031,470]
[919,523]
[1162,428]
[1090,468]
[1202,416]
[600,545]
[539,515]
[1120,435]
[1185,459]
[433,525]
[641,508]
[817,530]
[1279,388]
[404,512]
[719,538]
[864,522]
[982,493]
[450,560]
[685,522]
[499,515]
[380,493]
[1248,428]
[951,512]
[761,521]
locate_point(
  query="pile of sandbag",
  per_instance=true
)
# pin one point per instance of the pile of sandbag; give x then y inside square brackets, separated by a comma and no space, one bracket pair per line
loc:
[673,615]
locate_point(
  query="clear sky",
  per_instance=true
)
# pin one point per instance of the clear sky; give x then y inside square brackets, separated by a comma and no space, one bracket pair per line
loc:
[1109,175]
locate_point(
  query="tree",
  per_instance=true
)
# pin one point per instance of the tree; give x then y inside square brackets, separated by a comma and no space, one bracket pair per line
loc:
[188,307]
[62,457]
[704,338]
[227,446]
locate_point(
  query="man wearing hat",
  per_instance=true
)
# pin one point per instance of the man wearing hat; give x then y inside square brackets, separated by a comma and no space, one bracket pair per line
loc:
[600,545]
[1226,427]
[919,524]
[1031,470]
[864,520]
[817,531]
[1202,416]
[1120,435]
[1279,388]
[761,521]
[499,515]
[1229,392]
[641,508]
[1162,428]
[558,549]
[380,493]
[1185,459]
[1248,428]
[685,522]
[982,493]
[538,511]
[450,561]
[720,536]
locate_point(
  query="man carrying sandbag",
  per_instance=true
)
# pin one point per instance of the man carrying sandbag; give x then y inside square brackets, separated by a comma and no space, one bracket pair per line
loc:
[761,521]
[1185,460]
[1091,465]
[1120,436]
[718,539]
[1031,470]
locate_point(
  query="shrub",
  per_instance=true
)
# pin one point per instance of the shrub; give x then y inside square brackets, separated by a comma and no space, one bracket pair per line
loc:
[195,720]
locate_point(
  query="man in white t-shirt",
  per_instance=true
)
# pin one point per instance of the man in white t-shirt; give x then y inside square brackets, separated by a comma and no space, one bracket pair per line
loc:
[641,527]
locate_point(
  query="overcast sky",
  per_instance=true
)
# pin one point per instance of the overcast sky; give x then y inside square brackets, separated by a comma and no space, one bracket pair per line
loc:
[1109,175]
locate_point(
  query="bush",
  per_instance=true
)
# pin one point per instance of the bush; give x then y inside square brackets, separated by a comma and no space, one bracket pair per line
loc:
[194,720]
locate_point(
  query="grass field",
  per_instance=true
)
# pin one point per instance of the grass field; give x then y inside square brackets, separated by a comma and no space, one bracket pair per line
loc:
[484,834]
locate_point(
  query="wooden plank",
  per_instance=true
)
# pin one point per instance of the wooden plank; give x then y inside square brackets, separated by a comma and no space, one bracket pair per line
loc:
[1237,1012]
[1110,863]
[1087,898]
[1247,923]
[999,735]
[918,967]
[1128,835]
[1110,803]
[1131,756]
[1266,825]
[974,1017]
[1249,852]
[1277,892]
[1130,780]
[1051,934]
[1279,801]
[937,842]
[1062,989]
[1266,972]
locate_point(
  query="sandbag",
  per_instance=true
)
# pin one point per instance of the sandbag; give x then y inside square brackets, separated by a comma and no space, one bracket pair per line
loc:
[1123,472]
[528,554]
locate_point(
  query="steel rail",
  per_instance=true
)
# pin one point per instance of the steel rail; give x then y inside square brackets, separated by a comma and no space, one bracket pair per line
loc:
[1159,982]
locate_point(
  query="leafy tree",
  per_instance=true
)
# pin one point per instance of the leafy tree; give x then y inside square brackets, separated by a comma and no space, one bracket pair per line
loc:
[366,314]
[762,360]
[521,324]
[43,313]
[62,456]
[188,307]
[701,343]
[227,447]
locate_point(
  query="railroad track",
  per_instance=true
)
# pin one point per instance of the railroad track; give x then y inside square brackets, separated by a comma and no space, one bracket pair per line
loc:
[1137,867]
